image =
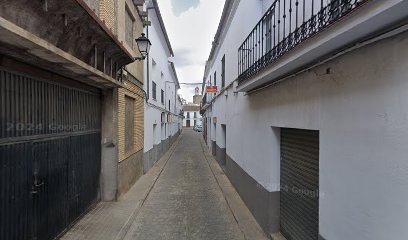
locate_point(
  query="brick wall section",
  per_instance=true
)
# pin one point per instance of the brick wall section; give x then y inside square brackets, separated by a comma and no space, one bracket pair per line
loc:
[135,92]
[107,13]
[112,12]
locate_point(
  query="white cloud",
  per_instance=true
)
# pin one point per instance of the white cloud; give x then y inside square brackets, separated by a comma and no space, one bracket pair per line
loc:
[180,6]
[191,34]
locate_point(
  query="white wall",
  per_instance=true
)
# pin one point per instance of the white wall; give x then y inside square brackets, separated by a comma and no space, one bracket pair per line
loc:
[357,102]
[198,118]
[161,73]
[247,15]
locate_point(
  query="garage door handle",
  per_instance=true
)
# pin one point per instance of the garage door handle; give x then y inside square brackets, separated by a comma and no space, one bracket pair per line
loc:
[39,185]
[36,187]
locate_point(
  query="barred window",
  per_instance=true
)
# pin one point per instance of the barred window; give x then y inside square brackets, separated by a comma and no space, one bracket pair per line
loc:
[129,123]
[129,28]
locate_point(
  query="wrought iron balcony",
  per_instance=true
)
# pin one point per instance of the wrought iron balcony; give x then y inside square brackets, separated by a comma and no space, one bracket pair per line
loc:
[286,24]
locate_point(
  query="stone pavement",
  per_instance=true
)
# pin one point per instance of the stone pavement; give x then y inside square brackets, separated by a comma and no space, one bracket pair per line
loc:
[184,196]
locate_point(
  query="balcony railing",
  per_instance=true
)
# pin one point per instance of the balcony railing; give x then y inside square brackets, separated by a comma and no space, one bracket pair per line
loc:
[286,24]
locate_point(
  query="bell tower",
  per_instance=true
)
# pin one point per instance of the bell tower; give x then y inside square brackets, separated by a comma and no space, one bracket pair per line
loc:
[197,97]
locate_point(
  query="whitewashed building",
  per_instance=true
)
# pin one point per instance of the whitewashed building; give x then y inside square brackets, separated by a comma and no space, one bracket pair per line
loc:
[163,113]
[192,116]
[310,121]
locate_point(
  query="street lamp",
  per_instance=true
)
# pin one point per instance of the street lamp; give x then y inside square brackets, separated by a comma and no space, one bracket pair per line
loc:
[143,43]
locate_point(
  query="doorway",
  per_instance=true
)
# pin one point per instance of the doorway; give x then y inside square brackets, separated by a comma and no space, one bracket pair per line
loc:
[299,196]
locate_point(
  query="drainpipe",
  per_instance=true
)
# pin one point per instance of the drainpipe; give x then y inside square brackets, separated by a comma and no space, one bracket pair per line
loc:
[147,70]
[148,60]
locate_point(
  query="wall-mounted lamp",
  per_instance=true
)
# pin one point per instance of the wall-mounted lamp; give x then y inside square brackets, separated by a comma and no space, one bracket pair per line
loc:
[143,43]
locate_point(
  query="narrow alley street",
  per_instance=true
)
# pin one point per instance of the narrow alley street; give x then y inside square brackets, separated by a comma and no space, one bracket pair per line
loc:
[203,119]
[185,196]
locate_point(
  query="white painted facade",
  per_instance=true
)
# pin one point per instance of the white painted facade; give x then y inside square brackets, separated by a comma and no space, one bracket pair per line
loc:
[356,99]
[194,117]
[162,111]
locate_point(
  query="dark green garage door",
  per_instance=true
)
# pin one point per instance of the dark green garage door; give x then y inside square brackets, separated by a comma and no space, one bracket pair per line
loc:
[49,154]
[299,184]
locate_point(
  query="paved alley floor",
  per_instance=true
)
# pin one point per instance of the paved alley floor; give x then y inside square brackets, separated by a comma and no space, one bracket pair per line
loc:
[185,196]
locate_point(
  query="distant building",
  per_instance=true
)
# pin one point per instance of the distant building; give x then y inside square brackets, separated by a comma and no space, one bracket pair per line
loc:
[192,116]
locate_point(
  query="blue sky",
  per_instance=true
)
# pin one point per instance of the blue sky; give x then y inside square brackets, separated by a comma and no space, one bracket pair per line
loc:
[180,6]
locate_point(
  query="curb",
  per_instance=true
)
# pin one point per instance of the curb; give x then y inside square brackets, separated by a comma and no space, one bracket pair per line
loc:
[243,217]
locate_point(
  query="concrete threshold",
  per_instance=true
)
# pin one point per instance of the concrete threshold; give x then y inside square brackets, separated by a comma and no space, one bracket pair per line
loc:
[112,220]
[277,236]
[243,217]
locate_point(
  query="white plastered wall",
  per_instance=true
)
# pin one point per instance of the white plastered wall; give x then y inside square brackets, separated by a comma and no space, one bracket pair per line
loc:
[358,102]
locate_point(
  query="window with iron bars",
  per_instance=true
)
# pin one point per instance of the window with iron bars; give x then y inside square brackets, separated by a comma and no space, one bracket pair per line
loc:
[285,25]
[129,123]
[129,21]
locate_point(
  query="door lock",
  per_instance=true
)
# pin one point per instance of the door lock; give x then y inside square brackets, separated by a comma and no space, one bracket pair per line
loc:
[36,185]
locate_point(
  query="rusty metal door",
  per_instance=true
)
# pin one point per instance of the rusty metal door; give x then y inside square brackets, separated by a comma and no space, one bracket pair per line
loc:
[49,154]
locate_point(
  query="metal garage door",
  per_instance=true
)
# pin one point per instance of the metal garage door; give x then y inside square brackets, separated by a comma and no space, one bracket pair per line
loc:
[49,155]
[299,184]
